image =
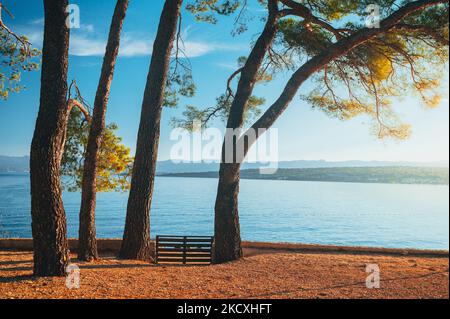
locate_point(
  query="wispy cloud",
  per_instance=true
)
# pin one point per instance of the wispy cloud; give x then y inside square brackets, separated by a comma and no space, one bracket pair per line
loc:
[84,46]
[39,21]
[87,27]
[199,48]
[81,44]
[228,65]
[134,46]
[35,37]
[84,42]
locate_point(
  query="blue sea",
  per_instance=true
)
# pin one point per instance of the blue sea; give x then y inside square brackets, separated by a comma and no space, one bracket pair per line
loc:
[381,215]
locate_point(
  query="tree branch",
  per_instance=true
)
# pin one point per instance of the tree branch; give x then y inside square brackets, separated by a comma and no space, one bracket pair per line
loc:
[335,51]
[25,44]
[425,30]
[71,103]
[232,76]
[300,10]
[250,70]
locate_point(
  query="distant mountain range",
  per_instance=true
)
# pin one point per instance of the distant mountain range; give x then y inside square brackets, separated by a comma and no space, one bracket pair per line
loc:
[167,167]
[385,174]
[14,164]
[21,165]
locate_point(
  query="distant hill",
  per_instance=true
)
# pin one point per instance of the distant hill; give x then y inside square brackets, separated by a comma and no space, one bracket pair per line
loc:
[390,175]
[165,167]
[21,164]
[14,164]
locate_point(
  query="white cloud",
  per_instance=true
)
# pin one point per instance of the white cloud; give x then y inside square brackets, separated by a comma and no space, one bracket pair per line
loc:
[35,37]
[196,49]
[133,45]
[84,27]
[39,21]
[84,43]
[228,65]
[80,45]
[84,46]
[137,46]
[87,27]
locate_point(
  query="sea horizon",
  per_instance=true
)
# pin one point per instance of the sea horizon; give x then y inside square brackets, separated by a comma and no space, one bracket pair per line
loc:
[280,212]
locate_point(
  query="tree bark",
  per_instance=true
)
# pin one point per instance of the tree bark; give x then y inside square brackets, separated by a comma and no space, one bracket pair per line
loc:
[227,245]
[136,237]
[227,233]
[87,246]
[51,253]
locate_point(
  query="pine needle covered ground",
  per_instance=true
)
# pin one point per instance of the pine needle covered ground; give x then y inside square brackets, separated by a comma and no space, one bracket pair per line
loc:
[262,274]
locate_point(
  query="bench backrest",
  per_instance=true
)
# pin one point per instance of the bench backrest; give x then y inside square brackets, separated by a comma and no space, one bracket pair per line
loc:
[184,250]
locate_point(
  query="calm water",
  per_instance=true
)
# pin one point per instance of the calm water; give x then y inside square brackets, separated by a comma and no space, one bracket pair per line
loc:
[304,212]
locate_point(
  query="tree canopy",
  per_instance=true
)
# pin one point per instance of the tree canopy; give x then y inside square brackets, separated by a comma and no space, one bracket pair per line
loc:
[405,61]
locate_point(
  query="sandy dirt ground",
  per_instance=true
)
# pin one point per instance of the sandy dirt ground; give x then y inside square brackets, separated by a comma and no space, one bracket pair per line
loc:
[261,274]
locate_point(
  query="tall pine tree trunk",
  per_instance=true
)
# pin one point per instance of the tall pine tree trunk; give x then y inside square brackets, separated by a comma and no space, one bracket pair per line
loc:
[51,254]
[136,237]
[227,243]
[227,233]
[87,247]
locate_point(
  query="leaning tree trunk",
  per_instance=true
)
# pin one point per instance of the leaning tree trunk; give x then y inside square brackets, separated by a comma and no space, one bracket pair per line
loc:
[227,243]
[136,237]
[227,233]
[51,254]
[227,219]
[87,246]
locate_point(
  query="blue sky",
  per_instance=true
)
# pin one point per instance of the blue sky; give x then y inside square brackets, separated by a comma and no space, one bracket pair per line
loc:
[304,133]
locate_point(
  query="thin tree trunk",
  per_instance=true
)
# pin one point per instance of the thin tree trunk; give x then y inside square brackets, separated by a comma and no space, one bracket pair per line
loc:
[136,237]
[51,254]
[227,245]
[87,246]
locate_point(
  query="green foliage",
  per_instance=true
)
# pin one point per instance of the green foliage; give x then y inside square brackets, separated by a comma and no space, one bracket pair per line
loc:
[402,62]
[222,108]
[339,10]
[205,10]
[294,34]
[115,162]
[14,59]
[178,84]
[194,114]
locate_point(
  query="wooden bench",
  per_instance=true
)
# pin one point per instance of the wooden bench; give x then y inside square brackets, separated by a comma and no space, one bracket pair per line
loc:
[186,250]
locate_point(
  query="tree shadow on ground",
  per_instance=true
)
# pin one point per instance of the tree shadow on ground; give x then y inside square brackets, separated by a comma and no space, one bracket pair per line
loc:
[7,263]
[6,280]
[28,268]
[119,266]
[15,253]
